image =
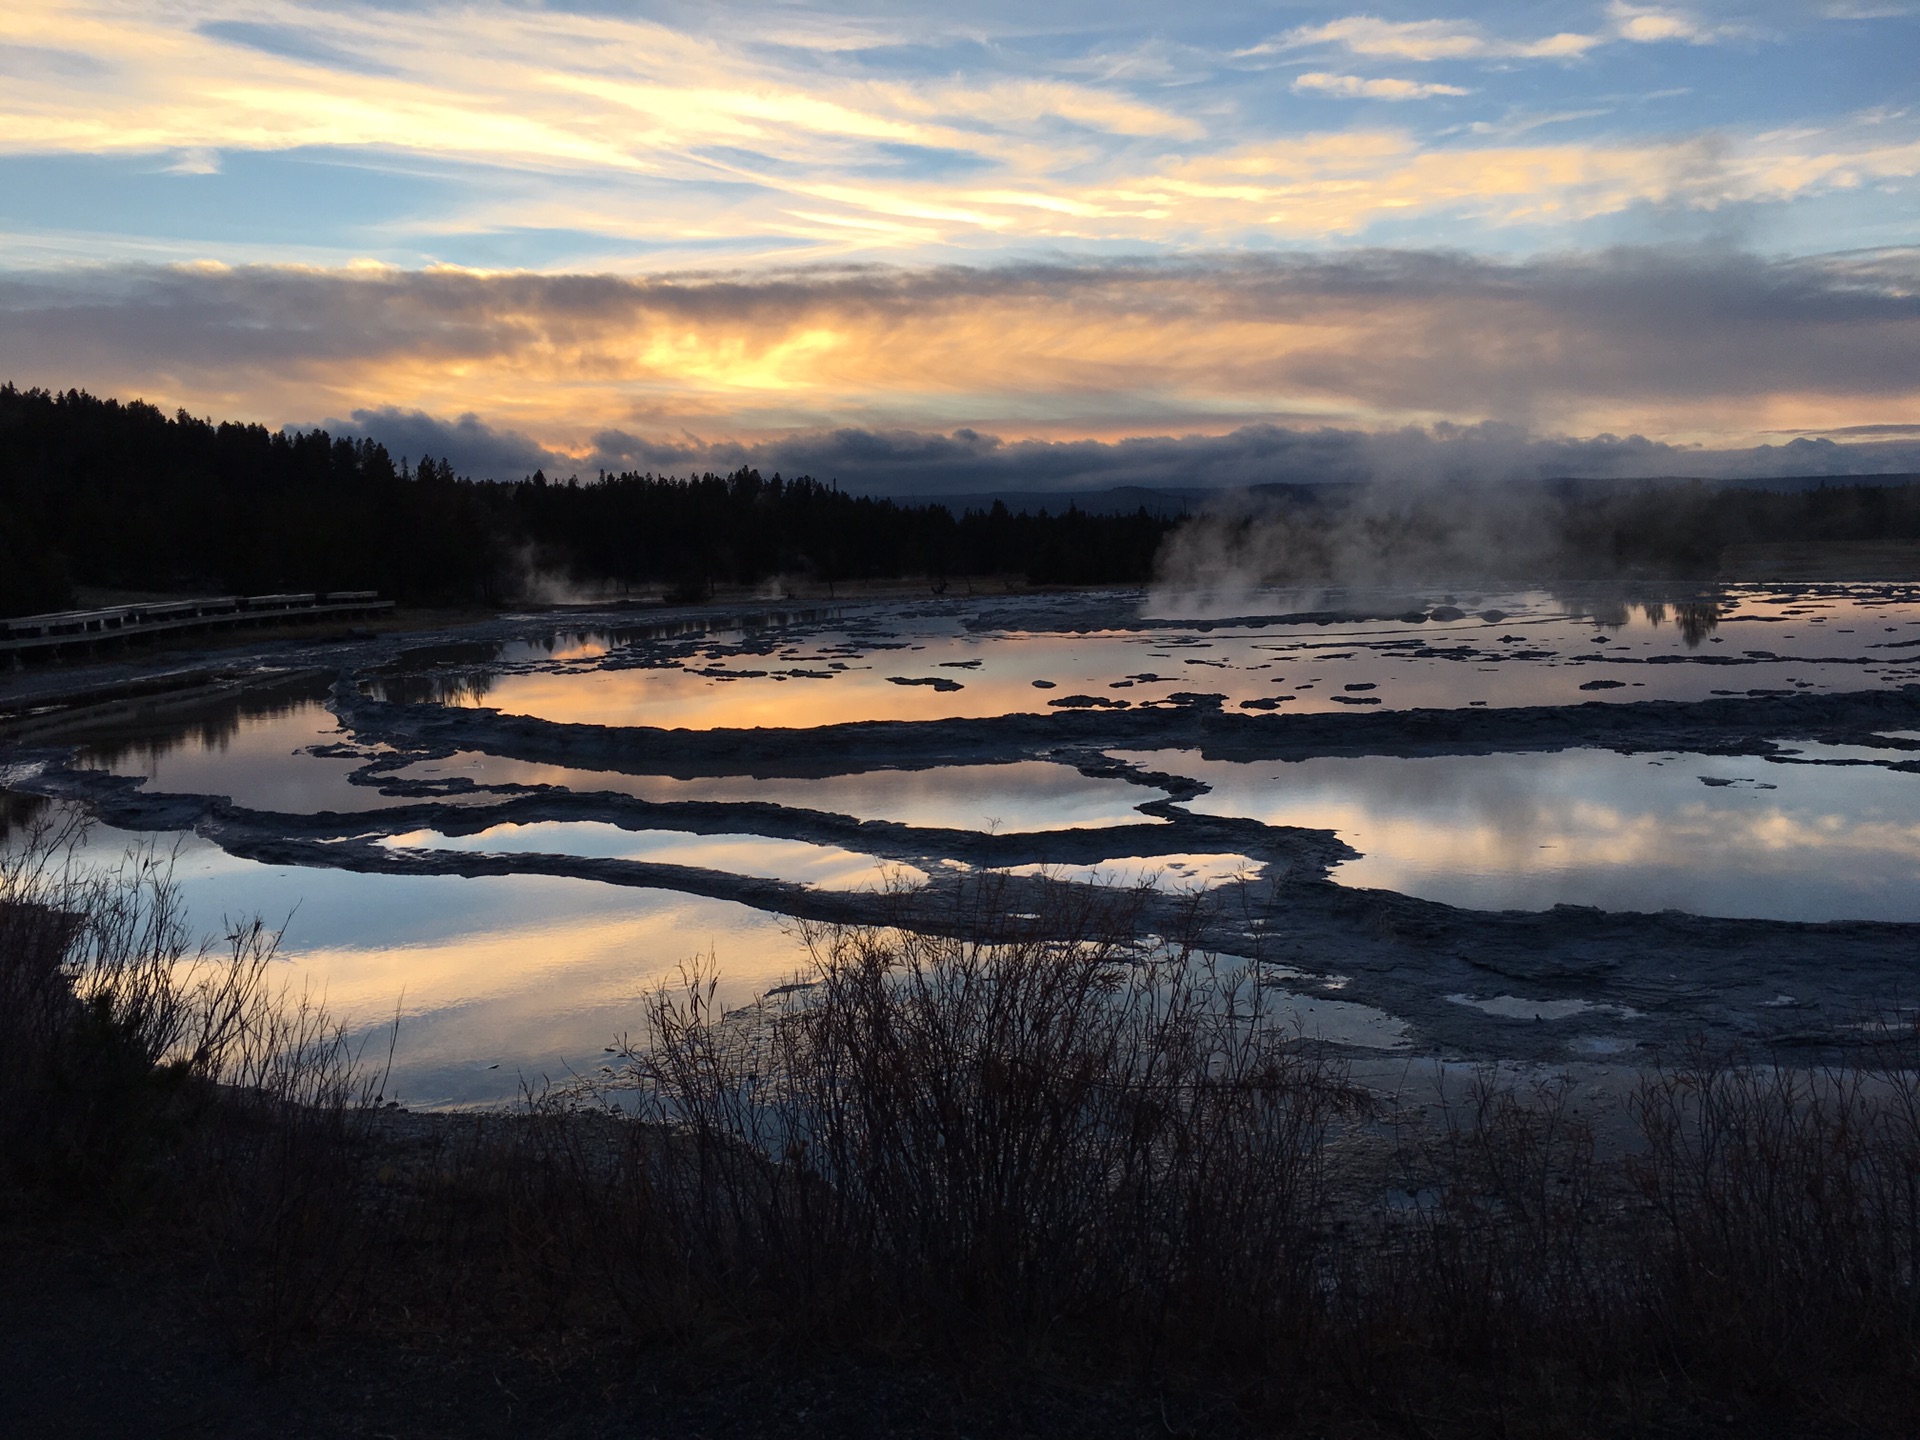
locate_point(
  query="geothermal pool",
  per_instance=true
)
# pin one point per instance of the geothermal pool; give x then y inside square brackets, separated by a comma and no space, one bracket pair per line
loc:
[949,663]
[1621,817]
[1801,834]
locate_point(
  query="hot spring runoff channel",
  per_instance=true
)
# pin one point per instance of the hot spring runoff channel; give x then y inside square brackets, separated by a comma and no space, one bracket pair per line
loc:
[1421,820]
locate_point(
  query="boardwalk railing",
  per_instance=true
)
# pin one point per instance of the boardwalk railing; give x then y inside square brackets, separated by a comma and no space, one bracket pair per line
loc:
[30,634]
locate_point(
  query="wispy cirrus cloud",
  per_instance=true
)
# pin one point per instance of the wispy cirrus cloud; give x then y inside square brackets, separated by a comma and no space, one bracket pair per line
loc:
[633,142]
[1427,41]
[1353,87]
[1424,41]
[1318,186]
[509,84]
[296,43]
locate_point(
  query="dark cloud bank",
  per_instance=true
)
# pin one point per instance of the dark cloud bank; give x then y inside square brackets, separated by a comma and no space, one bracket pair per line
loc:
[905,463]
[1424,332]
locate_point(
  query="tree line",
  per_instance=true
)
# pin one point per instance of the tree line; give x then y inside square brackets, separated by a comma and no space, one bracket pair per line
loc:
[98,492]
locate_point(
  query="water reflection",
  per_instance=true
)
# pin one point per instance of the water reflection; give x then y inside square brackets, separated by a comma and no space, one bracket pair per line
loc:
[795,861]
[966,660]
[1588,827]
[1177,873]
[1696,619]
[1340,1022]
[468,686]
[1696,614]
[255,754]
[560,646]
[1014,798]
[495,979]
[159,727]
[18,813]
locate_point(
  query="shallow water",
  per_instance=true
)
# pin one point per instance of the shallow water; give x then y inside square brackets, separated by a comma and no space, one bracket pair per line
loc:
[795,861]
[1009,799]
[1340,1022]
[497,981]
[507,978]
[1708,834]
[975,659]
[257,760]
[1177,873]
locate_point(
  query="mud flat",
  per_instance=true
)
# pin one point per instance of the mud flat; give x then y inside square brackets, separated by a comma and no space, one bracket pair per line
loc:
[1493,756]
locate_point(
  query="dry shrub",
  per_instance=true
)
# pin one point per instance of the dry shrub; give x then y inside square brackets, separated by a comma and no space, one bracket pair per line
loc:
[1505,1250]
[1754,1244]
[1787,1244]
[997,1135]
[111,1010]
[1042,1136]
[145,1071]
[38,931]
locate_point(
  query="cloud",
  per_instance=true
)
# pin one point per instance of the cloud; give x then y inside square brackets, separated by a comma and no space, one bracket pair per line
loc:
[1429,41]
[292,42]
[1352,87]
[1425,40]
[1308,187]
[198,161]
[473,447]
[1899,429]
[534,87]
[1680,344]
[1652,25]
[585,132]
[902,462]
[39,61]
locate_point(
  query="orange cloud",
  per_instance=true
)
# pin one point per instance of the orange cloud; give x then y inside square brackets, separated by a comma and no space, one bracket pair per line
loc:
[1705,346]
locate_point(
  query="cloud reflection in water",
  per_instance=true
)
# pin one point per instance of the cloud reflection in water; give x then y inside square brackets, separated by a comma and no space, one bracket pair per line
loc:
[1589,827]
[796,861]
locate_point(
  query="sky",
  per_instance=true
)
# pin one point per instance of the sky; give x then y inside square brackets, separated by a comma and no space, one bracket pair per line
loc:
[939,247]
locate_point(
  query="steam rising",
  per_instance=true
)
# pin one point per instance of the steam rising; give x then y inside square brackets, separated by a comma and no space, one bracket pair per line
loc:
[1381,537]
[1387,538]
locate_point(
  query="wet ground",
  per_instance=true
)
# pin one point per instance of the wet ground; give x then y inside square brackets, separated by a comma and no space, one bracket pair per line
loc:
[1524,825]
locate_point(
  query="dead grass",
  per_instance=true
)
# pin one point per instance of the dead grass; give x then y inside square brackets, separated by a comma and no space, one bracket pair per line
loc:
[1096,1156]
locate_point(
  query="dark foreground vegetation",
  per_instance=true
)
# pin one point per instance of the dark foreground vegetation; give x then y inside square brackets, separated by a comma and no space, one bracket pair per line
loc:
[98,493]
[1003,1182]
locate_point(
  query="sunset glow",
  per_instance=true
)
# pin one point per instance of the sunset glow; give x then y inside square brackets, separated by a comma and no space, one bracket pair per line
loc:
[663,234]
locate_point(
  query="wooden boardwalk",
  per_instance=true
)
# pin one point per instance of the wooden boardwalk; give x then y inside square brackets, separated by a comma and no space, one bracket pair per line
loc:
[32,636]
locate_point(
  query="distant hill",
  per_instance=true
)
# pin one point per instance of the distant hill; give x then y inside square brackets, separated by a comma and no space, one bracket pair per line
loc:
[1165,500]
[1174,501]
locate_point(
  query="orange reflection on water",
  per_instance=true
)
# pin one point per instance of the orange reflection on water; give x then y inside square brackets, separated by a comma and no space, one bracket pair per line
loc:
[1539,650]
[258,761]
[494,979]
[795,861]
[974,679]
